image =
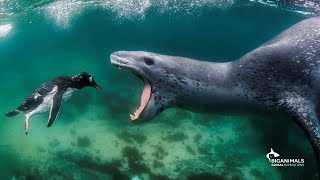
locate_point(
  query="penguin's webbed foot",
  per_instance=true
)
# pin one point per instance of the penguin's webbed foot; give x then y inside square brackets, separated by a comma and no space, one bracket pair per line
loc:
[26,124]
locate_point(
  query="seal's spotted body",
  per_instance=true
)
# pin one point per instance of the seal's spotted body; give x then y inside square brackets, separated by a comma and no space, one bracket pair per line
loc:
[282,75]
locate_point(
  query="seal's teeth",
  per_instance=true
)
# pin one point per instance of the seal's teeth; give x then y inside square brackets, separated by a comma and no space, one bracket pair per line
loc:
[133,117]
[136,114]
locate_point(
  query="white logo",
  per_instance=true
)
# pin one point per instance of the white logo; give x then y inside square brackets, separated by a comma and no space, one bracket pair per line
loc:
[272,154]
[272,157]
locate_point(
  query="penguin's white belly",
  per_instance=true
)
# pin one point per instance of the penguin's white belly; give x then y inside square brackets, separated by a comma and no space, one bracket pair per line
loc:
[48,100]
[68,93]
[46,104]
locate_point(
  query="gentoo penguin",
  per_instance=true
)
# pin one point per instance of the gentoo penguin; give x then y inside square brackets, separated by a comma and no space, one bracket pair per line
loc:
[50,95]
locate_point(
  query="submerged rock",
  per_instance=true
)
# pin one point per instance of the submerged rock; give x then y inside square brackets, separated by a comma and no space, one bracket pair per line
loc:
[190,150]
[257,174]
[134,159]
[30,174]
[197,138]
[176,137]
[54,143]
[157,164]
[110,168]
[160,153]
[130,137]
[203,176]
[83,141]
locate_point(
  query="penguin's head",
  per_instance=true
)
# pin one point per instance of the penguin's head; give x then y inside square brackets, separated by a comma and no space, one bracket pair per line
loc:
[84,79]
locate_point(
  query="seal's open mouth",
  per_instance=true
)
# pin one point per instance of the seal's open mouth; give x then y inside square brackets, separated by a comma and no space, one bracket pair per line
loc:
[145,97]
[146,92]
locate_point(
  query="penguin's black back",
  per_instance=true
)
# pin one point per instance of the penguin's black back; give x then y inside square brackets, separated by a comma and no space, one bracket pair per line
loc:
[31,102]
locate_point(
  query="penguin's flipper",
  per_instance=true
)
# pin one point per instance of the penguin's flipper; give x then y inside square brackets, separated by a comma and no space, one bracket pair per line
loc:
[55,107]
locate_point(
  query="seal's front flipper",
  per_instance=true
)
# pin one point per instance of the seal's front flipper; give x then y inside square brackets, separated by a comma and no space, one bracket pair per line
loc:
[304,113]
[55,107]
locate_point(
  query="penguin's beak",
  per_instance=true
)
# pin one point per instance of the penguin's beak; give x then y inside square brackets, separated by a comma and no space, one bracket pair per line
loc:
[95,85]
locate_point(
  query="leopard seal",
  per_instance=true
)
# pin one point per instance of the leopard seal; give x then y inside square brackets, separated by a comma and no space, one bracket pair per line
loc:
[282,75]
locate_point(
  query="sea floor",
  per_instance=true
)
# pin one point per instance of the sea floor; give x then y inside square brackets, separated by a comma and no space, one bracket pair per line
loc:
[97,142]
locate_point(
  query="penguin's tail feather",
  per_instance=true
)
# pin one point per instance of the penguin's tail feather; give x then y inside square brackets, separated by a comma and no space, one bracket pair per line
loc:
[13,113]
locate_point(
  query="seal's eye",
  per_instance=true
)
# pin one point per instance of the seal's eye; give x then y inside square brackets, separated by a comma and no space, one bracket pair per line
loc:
[148,61]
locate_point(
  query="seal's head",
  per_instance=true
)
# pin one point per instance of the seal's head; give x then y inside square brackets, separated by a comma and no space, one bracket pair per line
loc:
[151,68]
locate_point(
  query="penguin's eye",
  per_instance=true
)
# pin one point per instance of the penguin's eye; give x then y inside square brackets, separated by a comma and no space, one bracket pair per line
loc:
[90,78]
[148,61]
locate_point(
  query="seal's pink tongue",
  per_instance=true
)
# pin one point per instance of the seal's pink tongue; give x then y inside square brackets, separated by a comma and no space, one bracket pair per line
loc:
[146,93]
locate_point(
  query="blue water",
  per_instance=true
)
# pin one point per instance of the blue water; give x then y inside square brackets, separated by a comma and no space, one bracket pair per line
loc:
[93,137]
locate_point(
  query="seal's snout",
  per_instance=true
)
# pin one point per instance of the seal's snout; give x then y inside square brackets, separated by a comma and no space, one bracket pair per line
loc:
[121,58]
[115,54]
[119,54]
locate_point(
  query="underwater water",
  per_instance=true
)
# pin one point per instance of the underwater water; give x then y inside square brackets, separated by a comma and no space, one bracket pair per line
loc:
[93,137]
